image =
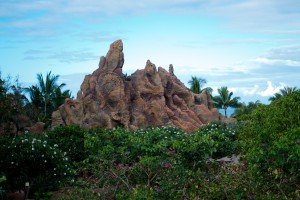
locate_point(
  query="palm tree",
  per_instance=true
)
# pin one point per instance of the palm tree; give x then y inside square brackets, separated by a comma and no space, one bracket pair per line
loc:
[196,85]
[44,94]
[225,100]
[283,92]
[246,109]
[35,96]
[61,96]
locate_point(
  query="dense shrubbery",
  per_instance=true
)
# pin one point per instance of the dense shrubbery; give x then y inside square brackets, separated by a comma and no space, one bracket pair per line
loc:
[166,163]
[270,137]
[70,139]
[33,159]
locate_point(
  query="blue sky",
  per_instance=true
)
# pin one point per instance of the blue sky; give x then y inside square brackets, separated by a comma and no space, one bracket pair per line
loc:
[251,46]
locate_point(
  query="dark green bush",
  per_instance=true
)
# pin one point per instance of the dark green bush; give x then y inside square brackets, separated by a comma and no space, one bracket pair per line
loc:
[70,139]
[224,137]
[33,159]
[270,137]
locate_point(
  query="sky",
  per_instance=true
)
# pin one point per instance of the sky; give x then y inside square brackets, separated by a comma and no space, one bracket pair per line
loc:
[250,46]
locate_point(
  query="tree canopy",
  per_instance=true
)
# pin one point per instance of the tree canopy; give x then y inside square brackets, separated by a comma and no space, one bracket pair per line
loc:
[225,100]
[283,92]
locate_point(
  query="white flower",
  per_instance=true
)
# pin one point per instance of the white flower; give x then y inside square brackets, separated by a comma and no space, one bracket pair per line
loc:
[44,145]
[12,163]
[54,169]
[55,145]
[32,149]
[65,174]
[54,174]
[43,156]
[45,161]
[54,152]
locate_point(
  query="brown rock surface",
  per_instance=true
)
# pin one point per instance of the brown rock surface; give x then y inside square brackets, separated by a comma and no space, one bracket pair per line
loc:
[38,127]
[149,97]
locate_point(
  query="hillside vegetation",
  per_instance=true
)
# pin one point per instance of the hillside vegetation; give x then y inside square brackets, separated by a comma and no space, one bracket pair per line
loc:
[162,163]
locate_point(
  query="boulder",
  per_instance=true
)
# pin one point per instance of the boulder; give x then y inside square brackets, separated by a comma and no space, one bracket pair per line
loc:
[149,97]
[38,127]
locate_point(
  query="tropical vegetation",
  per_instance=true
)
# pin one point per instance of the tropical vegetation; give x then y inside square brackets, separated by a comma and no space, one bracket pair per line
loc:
[245,109]
[225,100]
[47,95]
[197,85]
[155,163]
[283,92]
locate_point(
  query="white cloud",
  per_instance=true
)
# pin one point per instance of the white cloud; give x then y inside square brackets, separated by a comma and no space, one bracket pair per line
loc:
[252,91]
[268,61]
[248,14]
[271,90]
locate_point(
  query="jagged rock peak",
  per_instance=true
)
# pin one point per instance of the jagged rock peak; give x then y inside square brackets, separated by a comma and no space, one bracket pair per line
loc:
[149,97]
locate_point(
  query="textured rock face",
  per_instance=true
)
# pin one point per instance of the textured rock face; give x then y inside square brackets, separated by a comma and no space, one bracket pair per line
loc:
[149,97]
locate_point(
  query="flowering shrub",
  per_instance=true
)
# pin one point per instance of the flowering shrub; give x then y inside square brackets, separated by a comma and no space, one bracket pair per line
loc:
[70,139]
[270,139]
[224,137]
[33,159]
[151,163]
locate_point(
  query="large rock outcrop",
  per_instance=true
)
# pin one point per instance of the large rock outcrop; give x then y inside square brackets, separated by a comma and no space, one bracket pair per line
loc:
[149,97]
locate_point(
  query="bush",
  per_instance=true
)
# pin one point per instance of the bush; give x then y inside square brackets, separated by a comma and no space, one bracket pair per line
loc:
[270,137]
[224,137]
[70,139]
[33,159]
[154,163]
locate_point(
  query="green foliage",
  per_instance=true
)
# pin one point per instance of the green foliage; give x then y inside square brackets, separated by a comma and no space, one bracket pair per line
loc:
[33,159]
[155,163]
[283,92]
[197,85]
[225,139]
[47,96]
[244,109]
[225,99]
[2,192]
[70,140]
[12,102]
[271,139]
[165,163]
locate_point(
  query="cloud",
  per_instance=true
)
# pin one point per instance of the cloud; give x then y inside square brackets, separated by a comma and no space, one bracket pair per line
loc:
[61,56]
[285,53]
[262,16]
[257,14]
[252,91]
[268,61]
[271,90]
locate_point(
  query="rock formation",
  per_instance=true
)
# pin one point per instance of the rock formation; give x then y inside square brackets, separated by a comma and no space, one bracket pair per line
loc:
[149,97]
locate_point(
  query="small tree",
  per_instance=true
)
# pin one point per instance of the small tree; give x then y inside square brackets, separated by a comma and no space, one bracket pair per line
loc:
[225,100]
[246,109]
[197,85]
[47,95]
